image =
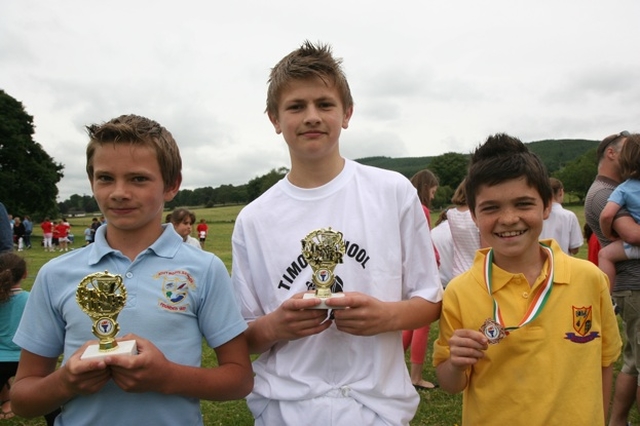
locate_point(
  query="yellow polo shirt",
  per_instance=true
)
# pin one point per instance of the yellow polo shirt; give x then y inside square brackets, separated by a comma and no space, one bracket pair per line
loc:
[548,372]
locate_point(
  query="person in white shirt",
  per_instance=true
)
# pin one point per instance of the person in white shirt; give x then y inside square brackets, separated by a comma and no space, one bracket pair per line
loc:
[443,240]
[466,237]
[562,225]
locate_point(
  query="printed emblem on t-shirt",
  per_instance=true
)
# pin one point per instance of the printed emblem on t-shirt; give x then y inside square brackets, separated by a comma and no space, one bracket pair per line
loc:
[582,322]
[175,290]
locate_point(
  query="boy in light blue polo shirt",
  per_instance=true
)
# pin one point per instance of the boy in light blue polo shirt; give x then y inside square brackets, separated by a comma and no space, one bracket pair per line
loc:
[176,295]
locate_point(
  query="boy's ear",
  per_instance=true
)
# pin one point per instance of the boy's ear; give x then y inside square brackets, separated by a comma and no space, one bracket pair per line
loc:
[347,116]
[172,191]
[275,122]
[547,211]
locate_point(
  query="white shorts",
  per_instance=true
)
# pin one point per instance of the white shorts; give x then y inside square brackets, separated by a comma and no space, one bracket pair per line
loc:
[632,252]
[333,409]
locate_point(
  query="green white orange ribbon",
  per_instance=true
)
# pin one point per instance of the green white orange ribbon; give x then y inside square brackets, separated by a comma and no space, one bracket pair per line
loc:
[538,302]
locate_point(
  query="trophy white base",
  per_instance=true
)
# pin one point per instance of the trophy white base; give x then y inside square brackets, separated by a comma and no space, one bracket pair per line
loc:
[128,347]
[323,305]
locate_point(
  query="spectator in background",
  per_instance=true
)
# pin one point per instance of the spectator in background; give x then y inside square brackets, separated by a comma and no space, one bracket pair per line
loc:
[62,230]
[13,269]
[94,227]
[626,293]
[6,233]
[562,225]
[18,232]
[182,221]
[88,235]
[203,231]
[47,234]
[55,241]
[426,184]
[466,237]
[592,243]
[28,230]
[443,240]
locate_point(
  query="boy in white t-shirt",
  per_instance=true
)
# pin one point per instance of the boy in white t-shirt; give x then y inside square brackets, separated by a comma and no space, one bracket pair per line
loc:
[346,367]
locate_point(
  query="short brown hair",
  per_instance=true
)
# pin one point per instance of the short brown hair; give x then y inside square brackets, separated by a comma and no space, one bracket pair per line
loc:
[137,130]
[611,140]
[308,61]
[178,215]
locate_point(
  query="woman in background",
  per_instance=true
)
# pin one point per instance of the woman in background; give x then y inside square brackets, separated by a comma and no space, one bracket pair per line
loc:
[426,183]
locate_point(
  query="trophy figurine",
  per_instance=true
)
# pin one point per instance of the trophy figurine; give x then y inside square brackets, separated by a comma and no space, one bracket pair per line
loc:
[102,296]
[323,249]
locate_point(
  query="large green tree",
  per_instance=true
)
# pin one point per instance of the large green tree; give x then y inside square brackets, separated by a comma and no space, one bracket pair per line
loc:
[578,175]
[28,175]
[450,168]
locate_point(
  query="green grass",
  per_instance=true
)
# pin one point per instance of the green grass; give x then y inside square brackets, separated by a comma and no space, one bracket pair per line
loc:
[436,406]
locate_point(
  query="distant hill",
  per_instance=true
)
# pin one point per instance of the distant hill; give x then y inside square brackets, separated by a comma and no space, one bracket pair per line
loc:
[554,153]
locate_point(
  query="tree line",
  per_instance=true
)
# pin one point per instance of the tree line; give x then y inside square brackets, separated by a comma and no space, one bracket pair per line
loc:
[29,176]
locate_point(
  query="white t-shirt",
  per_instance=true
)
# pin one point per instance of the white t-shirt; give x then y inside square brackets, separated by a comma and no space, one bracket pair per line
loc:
[389,255]
[563,226]
[442,239]
[466,239]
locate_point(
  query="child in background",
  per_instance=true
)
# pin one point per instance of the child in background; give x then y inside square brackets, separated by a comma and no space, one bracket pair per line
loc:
[182,221]
[203,230]
[528,334]
[47,234]
[176,297]
[593,245]
[627,196]
[426,184]
[13,269]
[88,235]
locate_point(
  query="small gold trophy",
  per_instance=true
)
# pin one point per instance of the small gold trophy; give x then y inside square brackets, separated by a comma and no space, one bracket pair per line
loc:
[323,249]
[102,296]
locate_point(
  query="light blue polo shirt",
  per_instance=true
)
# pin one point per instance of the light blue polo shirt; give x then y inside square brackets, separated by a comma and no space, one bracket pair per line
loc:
[176,295]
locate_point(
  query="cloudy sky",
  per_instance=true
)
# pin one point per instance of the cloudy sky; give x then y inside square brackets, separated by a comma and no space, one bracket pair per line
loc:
[428,77]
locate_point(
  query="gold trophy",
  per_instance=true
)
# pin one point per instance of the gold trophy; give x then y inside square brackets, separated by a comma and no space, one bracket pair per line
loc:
[323,249]
[102,296]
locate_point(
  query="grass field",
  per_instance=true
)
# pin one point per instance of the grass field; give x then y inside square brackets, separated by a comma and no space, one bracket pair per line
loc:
[436,407]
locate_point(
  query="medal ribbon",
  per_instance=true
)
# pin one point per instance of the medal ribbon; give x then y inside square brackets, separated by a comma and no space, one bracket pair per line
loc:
[538,302]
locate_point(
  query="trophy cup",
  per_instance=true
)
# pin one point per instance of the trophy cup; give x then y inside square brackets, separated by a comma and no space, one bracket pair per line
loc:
[102,296]
[323,249]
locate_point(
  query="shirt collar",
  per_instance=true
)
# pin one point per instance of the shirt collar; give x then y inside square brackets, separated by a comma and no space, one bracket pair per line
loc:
[165,246]
[502,277]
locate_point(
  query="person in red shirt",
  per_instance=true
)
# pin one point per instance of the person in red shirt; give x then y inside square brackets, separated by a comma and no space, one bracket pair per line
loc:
[62,229]
[47,233]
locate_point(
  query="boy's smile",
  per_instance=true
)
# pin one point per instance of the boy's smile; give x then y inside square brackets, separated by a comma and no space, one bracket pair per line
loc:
[509,216]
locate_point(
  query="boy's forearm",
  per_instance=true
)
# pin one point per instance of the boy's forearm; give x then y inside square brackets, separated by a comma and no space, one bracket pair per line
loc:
[413,313]
[37,396]
[258,336]
[451,379]
[222,383]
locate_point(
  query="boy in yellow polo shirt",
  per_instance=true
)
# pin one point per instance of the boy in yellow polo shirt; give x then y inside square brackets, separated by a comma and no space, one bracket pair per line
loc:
[528,332]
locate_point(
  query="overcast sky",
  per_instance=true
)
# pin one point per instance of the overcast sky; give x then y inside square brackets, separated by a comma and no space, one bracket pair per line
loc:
[427,77]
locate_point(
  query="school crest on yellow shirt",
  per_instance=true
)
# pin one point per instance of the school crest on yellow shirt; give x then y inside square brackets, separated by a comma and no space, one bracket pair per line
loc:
[582,323]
